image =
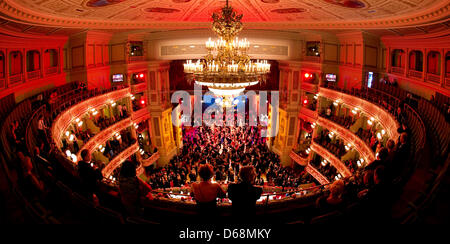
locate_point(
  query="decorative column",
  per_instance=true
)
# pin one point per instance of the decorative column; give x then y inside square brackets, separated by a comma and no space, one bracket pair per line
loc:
[442,74]
[290,105]
[161,130]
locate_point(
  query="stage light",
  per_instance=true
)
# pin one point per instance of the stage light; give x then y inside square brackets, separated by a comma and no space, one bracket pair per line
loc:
[305,101]
[142,101]
[383,132]
[141,75]
[307,75]
[67,133]
[379,136]
[68,153]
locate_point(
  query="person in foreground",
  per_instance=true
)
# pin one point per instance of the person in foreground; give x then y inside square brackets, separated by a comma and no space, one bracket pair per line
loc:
[244,195]
[90,175]
[205,193]
[133,191]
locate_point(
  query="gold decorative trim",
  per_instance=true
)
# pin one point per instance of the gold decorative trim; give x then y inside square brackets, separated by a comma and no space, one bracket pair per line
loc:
[14,12]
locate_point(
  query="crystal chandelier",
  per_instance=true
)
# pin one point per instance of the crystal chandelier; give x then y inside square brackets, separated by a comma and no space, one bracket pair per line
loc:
[227,69]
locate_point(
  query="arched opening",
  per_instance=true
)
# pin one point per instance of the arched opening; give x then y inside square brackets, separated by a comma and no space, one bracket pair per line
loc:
[15,65]
[416,60]
[398,58]
[33,60]
[434,63]
[2,65]
[447,65]
[51,61]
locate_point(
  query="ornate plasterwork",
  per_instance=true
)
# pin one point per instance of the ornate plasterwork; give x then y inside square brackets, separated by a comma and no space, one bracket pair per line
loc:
[134,14]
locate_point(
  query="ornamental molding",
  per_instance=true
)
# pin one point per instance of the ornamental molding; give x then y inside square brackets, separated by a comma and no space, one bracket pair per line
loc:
[359,145]
[15,12]
[382,116]
[342,169]
[317,175]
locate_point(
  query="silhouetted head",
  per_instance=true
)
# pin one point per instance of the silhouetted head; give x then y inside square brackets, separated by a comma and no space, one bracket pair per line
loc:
[85,155]
[128,169]
[247,174]
[206,172]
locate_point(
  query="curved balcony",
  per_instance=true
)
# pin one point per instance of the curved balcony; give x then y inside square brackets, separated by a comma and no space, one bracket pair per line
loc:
[308,115]
[386,120]
[343,170]
[317,175]
[63,121]
[300,160]
[119,159]
[149,161]
[363,149]
[105,134]
[140,87]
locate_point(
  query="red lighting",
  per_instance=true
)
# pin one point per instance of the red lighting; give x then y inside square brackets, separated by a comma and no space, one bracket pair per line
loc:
[305,101]
[142,101]
[307,75]
[141,75]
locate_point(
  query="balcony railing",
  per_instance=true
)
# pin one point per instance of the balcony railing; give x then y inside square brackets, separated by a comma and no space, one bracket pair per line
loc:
[415,74]
[136,58]
[74,111]
[343,170]
[104,135]
[35,74]
[109,169]
[139,87]
[152,159]
[398,70]
[317,175]
[51,70]
[313,59]
[300,160]
[360,146]
[433,78]
[14,79]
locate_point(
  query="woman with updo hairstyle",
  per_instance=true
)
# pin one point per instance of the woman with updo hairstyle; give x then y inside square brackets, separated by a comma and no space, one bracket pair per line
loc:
[206,193]
[244,195]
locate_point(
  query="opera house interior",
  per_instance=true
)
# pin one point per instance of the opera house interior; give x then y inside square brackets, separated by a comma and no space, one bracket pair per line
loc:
[229,111]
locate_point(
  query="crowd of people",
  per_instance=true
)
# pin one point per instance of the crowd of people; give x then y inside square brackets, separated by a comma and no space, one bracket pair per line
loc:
[326,170]
[335,146]
[227,149]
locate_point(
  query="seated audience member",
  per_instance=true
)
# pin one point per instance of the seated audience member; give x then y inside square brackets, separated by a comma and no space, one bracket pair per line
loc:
[380,160]
[378,197]
[90,175]
[402,151]
[132,189]
[334,200]
[32,186]
[244,195]
[205,192]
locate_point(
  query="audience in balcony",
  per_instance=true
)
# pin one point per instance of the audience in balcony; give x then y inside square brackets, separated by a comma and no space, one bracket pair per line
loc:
[89,174]
[244,195]
[133,191]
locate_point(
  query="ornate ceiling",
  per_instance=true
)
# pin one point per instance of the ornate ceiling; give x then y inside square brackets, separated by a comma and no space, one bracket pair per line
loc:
[269,14]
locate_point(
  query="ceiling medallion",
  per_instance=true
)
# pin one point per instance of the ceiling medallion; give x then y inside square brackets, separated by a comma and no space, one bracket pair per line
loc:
[227,69]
